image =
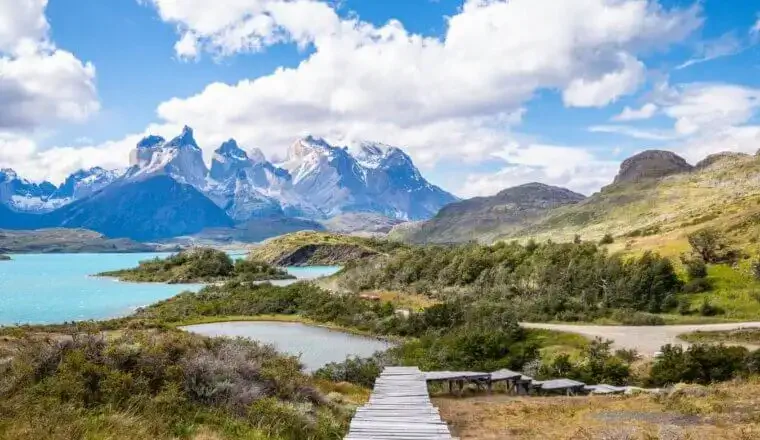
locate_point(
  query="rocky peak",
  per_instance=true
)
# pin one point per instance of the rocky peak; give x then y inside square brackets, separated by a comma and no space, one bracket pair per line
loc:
[307,145]
[151,141]
[256,156]
[651,164]
[185,139]
[85,182]
[374,155]
[722,157]
[8,174]
[228,159]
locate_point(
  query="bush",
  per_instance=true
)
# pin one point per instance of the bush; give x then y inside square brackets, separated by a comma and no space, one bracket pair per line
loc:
[707,309]
[697,285]
[629,317]
[607,239]
[701,363]
[695,267]
[597,365]
[360,371]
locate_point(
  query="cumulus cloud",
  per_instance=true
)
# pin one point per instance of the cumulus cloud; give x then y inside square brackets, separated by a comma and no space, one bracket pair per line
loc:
[630,114]
[570,167]
[363,81]
[39,83]
[54,164]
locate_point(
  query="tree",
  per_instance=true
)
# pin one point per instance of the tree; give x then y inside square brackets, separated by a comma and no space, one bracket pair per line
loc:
[708,244]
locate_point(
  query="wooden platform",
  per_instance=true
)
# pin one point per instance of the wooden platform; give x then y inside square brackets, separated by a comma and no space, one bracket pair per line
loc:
[399,409]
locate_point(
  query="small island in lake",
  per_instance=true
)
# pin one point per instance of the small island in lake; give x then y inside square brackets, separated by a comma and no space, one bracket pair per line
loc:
[199,265]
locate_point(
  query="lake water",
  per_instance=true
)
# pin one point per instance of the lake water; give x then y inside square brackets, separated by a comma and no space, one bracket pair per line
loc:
[317,346]
[53,288]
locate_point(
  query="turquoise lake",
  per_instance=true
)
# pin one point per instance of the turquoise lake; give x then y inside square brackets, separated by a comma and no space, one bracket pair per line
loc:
[53,288]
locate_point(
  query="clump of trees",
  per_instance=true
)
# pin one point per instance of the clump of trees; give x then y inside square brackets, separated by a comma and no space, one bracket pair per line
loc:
[564,281]
[711,246]
[702,364]
[199,265]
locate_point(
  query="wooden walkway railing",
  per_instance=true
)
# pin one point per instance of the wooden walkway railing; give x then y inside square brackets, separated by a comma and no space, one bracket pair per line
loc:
[399,409]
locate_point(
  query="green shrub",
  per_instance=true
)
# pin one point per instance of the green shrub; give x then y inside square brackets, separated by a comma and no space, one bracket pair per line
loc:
[697,285]
[700,363]
[607,239]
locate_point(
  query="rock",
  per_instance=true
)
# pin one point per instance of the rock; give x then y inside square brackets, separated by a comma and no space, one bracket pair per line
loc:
[723,157]
[651,164]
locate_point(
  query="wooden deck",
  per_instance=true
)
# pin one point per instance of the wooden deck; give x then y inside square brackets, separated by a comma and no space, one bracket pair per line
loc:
[399,409]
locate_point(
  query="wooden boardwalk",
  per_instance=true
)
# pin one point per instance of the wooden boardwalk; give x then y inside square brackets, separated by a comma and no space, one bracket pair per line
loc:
[399,409]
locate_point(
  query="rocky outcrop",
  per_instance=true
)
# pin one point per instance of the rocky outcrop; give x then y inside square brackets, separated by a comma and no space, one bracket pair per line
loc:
[323,255]
[723,157]
[651,164]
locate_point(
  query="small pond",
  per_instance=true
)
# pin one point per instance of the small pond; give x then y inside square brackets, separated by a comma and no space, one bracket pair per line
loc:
[317,346]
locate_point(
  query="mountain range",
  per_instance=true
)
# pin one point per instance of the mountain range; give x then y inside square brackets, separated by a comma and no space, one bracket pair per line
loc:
[168,190]
[654,202]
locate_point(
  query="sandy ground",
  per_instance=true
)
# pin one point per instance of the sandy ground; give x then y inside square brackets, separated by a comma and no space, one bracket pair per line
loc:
[647,340]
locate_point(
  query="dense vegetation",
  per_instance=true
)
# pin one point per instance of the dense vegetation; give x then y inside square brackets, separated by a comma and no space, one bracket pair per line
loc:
[160,384]
[199,265]
[563,281]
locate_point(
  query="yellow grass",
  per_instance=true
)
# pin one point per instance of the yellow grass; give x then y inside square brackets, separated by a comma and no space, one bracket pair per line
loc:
[729,411]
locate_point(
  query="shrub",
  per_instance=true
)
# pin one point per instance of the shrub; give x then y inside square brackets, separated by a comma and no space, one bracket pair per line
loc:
[707,309]
[701,363]
[607,239]
[360,371]
[695,267]
[628,317]
[697,285]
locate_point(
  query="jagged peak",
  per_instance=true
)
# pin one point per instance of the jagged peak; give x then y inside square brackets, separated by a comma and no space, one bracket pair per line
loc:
[185,139]
[9,173]
[151,141]
[308,144]
[230,149]
[256,155]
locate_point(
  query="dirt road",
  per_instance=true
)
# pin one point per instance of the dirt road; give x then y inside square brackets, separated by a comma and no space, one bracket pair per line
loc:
[647,340]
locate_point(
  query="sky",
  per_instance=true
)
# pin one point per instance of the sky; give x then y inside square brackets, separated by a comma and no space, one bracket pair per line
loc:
[482,94]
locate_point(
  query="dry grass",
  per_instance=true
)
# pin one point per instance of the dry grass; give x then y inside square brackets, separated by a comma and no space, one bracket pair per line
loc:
[728,411]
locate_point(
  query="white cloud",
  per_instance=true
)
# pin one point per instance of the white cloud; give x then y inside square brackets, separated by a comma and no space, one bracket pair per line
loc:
[630,114]
[602,91]
[706,108]
[754,32]
[21,20]
[39,84]
[433,95]
[571,167]
[637,133]
[54,164]
[726,45]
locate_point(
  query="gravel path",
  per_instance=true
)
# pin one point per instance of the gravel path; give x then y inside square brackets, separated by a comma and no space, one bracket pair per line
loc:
[647,340]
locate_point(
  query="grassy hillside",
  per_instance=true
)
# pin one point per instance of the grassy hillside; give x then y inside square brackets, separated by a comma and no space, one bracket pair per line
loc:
[659,214]
[309,248]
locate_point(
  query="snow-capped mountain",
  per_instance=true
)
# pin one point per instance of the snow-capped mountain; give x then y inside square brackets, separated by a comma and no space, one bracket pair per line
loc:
[317,181]
[24,196]
[180,158]
[377,178]
[82,183]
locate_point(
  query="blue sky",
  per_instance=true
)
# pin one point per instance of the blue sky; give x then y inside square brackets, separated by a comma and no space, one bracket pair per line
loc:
[483,94]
